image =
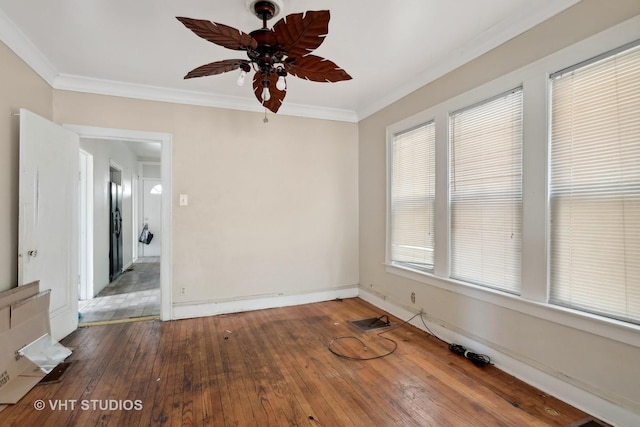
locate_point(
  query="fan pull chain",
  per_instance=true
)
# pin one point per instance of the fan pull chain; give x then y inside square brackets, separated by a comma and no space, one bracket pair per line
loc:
[266,120]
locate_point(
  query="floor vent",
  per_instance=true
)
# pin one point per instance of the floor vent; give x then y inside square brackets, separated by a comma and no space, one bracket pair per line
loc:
[56,374]
[372,323]
[588,422]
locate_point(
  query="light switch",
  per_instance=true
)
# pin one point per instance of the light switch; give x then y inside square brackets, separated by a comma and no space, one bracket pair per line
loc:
[184,200]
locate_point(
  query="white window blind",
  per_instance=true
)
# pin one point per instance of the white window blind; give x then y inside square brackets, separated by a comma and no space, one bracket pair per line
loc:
[595,186]
[485,191]
[412,197]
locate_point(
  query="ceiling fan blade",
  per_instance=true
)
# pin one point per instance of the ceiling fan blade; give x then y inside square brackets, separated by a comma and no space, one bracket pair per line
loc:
[277,96]
[217,67]
[220,34]
[299,34]
[317,69]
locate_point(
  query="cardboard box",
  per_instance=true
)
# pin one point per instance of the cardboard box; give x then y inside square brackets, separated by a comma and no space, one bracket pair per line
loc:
[24,318]
[18,294]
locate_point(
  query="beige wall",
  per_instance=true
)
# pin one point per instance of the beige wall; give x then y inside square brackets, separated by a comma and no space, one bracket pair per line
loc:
[273,208]
[20,87]
[602,366]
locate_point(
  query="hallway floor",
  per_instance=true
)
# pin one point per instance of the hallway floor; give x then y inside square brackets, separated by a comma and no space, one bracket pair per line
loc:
[135,293]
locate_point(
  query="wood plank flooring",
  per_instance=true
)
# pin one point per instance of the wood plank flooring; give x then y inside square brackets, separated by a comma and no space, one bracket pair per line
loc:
[273,368]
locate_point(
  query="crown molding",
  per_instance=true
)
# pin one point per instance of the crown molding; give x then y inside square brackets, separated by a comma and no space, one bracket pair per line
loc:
[155,93]
[20,44]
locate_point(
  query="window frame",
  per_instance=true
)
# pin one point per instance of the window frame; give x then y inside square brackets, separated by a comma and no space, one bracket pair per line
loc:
[583,192]
[534,296]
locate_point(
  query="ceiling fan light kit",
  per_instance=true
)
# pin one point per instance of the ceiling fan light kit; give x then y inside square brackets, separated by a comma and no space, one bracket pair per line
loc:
[273,53]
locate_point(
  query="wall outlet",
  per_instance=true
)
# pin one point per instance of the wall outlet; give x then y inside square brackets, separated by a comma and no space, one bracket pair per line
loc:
[183,290]
[413,297]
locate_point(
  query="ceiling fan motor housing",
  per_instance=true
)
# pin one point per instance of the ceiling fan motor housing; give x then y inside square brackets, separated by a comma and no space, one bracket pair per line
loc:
[267,53]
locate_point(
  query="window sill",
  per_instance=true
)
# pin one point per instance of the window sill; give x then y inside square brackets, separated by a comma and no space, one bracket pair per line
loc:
[608,328]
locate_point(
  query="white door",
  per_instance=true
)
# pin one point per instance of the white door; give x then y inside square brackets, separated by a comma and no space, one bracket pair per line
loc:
[152,214]
[48,212]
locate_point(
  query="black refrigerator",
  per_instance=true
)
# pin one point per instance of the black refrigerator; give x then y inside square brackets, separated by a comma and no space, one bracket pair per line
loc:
[115,227]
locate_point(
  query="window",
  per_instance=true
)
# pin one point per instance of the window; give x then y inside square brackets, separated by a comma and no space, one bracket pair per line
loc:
[537,190]
[595,186]
[485,191]
[412,197]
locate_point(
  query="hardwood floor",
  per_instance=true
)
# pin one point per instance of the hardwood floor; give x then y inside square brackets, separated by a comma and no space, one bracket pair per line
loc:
[273,368]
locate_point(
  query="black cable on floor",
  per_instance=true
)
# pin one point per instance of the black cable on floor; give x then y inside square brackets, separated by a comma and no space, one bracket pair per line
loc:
[477,359]
[364,346]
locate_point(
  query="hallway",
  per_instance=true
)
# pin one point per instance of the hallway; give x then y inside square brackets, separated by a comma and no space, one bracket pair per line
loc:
[134,294]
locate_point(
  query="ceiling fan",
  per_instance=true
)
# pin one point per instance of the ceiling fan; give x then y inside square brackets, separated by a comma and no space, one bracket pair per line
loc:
[272,53]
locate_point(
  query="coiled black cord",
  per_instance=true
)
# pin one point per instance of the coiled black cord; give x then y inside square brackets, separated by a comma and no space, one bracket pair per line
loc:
[480,360]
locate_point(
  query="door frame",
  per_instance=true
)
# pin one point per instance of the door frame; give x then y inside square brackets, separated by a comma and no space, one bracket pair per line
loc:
[85,197]
[144,210]
[166,143]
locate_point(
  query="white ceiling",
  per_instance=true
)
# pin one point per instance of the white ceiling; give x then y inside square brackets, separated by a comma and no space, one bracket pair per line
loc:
[145,150]
[137,48]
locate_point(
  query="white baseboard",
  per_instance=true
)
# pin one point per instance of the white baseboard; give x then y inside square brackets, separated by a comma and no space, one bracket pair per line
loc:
[586,401]
[190,310]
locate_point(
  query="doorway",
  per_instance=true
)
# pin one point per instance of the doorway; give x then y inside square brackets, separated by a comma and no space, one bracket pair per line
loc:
[131,222]
[128,285]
